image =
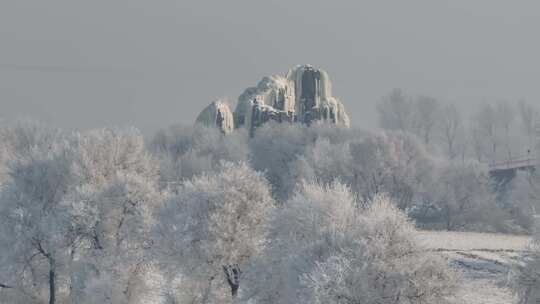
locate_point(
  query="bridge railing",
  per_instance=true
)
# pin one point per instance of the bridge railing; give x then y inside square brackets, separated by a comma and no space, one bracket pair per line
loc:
[515,163]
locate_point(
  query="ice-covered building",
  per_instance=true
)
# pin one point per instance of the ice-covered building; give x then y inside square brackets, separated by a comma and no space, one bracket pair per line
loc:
[314,100]
[217,114]
[304,95]
[272,99]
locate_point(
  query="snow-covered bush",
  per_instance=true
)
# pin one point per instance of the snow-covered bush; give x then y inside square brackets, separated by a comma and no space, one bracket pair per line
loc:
[527,279]
[460,197]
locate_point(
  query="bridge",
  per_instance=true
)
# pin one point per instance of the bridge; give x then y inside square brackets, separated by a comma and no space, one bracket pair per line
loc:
[521,163]
[502,173]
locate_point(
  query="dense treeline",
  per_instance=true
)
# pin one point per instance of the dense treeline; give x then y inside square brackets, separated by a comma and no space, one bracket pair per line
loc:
[439,193]
[295,214]
[491,132]
[95,217]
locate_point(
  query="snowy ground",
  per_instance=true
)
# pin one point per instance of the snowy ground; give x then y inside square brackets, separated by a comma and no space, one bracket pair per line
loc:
[483,259]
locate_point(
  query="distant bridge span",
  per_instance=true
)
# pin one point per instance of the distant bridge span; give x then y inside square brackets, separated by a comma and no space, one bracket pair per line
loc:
[502,173]
[515,164]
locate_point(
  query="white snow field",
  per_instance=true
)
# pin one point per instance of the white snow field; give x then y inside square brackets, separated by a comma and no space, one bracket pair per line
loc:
[484,260]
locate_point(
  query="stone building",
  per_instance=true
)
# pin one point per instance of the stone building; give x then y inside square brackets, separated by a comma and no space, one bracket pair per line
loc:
[304,96]
[217,114]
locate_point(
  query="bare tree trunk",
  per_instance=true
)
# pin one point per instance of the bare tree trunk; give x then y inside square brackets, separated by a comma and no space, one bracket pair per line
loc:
[52,281]
[232,273]
[52,271]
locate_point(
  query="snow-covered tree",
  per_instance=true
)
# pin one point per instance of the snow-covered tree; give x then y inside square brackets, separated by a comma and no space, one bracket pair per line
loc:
[309,228]
[396,111]
[505,117]
[116,222]
[426,116]
[345,254]
[22,138]
[79,208]
[529,117]
[493,132]
[212,229]
[452,133]
[185,152]
[112,210]
[34,214]
[393,269]
[390,162]
[418,115]
[274,149]
[325,162]
[109,152]
[289,153]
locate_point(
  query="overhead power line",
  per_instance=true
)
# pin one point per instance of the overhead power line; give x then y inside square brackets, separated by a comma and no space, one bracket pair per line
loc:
[59,68]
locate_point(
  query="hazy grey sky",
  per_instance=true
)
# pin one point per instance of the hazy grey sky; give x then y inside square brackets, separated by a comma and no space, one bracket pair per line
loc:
[153,63]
